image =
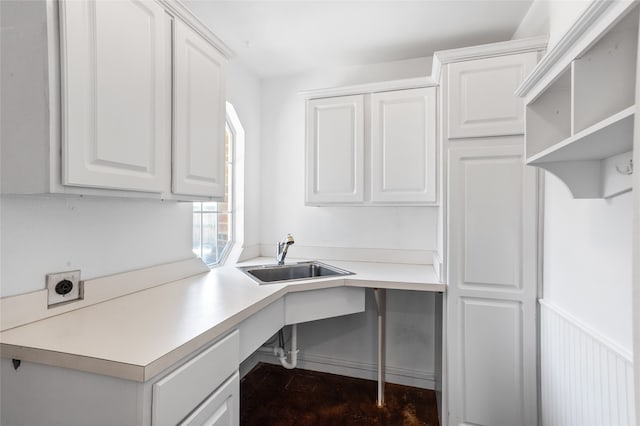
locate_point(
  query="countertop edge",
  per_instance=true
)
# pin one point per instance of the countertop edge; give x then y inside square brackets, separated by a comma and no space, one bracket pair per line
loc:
[143,373]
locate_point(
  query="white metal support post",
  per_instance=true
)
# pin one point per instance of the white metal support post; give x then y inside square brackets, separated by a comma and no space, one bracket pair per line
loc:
[381,302]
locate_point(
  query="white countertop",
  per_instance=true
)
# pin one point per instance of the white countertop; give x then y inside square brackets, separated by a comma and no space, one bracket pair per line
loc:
[137,336]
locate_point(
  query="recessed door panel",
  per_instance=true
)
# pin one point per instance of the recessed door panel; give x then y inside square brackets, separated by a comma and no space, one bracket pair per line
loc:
[481,100]
[403,146]
[115,95]
[199,113]
[335,150]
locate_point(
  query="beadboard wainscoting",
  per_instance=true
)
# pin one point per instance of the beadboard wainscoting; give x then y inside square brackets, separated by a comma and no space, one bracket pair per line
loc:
[586,380]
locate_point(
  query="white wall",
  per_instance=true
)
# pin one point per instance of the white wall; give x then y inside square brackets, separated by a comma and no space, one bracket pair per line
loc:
[550,17]
[587,247]
[587,259]
[283,146]
[244,93]
[100,236]
[345,345]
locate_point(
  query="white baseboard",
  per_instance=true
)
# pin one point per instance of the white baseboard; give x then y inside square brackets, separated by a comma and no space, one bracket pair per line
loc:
[360,370]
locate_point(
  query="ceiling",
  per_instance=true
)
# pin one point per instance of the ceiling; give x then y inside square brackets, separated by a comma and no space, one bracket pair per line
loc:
[274,38]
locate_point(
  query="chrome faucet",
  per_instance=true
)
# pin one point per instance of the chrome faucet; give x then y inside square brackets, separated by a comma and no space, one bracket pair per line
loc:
[283,246]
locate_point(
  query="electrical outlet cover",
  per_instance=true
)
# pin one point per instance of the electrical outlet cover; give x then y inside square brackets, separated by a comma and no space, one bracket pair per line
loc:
[75,293]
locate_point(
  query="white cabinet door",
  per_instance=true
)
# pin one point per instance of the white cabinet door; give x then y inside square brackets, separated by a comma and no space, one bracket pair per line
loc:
[491,297]
[335,150]
[116,90]
[183,390]
[199,114]
[403,146]
[481,100]
[220,409]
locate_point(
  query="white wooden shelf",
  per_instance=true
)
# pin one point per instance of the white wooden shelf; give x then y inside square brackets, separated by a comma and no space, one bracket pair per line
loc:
[580,106]
[609,137]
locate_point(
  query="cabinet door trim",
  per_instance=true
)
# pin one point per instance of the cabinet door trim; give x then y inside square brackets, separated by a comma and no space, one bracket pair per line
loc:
[198,137]
[387,134]
[467,119]
[93,103]
[349,109]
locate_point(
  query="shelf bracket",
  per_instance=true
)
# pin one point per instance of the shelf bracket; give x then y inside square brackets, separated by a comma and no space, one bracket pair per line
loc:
[583,178]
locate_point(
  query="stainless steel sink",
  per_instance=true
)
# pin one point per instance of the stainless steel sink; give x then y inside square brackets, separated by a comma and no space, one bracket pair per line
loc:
[272,274]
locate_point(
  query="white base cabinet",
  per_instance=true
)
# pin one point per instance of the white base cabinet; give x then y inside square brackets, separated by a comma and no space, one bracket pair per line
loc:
[204,387]
[189,386]
[220,409]
[201,389]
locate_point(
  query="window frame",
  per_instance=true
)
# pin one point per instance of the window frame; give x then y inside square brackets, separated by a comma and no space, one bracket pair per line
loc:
[230,196]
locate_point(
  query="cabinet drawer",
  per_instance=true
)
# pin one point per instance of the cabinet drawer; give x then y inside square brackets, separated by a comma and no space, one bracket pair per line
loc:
[177,394]
[220,409]
[326,303]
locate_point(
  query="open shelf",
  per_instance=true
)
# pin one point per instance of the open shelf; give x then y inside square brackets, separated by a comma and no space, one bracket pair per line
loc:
[549,116]
[604,75]
[609,137]
[580,125]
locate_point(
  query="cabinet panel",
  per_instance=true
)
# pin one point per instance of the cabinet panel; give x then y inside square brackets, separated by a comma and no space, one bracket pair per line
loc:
[481,100]
[199,114]
[258,328]
[220,409]
[491,298]
[491,221]
[491,362]
[177,394]
[335,150]
[403,146]
[116,86]
[320,304]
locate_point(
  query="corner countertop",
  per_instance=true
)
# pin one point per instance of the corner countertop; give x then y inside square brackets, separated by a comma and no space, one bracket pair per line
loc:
[137,336]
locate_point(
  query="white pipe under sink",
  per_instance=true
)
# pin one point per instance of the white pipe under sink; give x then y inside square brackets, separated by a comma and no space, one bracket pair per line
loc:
[279,352]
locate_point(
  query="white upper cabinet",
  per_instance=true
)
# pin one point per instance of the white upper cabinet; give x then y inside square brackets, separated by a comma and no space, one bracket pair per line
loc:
[335,150]
[115,92]
[403,146]
[199,114]
[481,101]
[372,149]
[129,102]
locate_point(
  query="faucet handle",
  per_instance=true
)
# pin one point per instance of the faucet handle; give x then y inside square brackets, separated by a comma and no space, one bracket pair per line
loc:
[288,240]
[283,246]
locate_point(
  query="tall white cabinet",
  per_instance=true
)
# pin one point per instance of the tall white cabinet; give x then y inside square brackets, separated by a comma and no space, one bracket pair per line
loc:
[372,147]
[489,238]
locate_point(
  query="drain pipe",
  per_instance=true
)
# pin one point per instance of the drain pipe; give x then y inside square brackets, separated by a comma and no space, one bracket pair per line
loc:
[279,352]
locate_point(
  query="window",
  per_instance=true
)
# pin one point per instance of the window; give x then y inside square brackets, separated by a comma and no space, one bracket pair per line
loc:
[213,222]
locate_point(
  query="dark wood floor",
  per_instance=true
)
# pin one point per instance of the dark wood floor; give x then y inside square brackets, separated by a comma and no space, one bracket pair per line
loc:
[271,395]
